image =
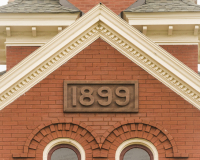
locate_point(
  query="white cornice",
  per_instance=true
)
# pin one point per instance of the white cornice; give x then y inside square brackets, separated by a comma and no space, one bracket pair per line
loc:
[100,22]
[166,18]
[38,19]
[175,43]
[24,43]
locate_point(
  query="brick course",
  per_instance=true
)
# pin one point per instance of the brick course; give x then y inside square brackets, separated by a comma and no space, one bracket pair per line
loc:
[15,54]
[188,54]
[157,103]
[116,6]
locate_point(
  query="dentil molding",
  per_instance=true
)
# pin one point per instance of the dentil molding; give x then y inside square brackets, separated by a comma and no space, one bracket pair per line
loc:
[100,22]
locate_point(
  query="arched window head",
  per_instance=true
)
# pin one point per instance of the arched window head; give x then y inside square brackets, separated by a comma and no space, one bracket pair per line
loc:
[136,149]
[64,152]
[136,152]
[63,149]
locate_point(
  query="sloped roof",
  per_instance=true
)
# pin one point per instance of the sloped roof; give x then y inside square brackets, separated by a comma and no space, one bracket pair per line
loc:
[38,6]
[3,72]
[165,6]
[103,23]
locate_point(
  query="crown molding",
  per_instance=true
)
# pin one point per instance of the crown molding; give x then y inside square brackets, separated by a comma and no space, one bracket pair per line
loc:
[24,43]
[38,19]
[165,18]
[103,23]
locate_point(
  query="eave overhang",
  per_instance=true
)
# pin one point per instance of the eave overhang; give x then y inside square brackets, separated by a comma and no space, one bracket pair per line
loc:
[103,23]
[23,22]
[162,18]
[38,19]
[184,21]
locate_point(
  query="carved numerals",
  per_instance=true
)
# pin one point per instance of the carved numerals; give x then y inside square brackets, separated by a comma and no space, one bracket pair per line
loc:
[105,92]
[108,96]
[87,98]
[125,93]
[86,93]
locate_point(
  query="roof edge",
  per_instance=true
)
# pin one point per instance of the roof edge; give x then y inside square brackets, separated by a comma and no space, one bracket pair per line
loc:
[148,7]
[100,22]
[59,7]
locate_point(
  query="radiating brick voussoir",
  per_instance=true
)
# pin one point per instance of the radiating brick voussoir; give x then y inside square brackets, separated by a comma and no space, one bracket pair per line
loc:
[139,128]
[57,129]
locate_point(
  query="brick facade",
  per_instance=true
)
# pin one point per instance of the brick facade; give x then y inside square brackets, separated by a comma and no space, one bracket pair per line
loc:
[188,54]
[164,118]
[116,6]
[15,54]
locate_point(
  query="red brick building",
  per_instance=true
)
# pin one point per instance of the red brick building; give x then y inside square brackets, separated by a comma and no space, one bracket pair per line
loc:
[85,83]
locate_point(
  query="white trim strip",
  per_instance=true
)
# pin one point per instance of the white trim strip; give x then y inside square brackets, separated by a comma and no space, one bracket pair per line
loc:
[58,141]
[139,141]
[100,22]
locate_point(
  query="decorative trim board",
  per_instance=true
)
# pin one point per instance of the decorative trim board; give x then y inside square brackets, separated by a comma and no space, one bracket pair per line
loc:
[100,22]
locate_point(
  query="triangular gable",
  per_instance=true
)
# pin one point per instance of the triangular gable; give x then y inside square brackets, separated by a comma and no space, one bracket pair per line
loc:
[103,23]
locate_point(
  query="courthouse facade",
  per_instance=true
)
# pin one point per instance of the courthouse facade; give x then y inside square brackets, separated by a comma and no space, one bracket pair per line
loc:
[91,80]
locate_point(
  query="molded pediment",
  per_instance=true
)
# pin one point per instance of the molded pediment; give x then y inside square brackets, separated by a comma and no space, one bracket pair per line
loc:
[103,23]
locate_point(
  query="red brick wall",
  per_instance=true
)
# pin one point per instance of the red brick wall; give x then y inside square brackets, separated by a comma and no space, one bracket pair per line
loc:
[15,54]
[188,54]
[116,6]
[99,61]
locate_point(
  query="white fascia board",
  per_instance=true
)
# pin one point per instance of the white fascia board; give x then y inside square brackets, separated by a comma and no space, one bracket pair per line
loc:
[183,37]
[2,56]
[43,53]
[166,18]
[199,59]
[24,43]
[153,50]
[25,38]
[39,19]
[100,22]
[175,43]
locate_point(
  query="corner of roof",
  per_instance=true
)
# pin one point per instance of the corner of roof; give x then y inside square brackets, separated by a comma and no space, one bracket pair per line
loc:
[136,4]
[30,6]
[67,4]
[184,5]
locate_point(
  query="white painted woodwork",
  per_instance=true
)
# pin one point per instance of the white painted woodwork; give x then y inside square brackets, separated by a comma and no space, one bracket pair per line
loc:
[196,29]
[34,31]
[145,30]
[60,29]
[170,30]
[8,31]
[100,22]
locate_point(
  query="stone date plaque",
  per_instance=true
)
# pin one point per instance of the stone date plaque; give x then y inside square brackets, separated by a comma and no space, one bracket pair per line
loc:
[100,96]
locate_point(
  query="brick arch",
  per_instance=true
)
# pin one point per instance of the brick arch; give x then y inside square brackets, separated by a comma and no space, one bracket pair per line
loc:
[144,129]
[59,128]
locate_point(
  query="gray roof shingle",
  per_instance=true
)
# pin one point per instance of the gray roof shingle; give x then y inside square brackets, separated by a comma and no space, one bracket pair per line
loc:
[2,72]
[165,6]
[37,6]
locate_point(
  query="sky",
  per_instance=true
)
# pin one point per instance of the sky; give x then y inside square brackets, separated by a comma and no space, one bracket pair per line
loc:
[4,2]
